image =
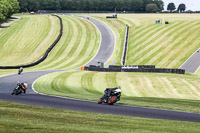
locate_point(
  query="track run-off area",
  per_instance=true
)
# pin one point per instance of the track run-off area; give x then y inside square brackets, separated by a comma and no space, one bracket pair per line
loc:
[91,84]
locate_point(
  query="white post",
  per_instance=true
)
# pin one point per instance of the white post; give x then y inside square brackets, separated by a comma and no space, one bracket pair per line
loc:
[163,20]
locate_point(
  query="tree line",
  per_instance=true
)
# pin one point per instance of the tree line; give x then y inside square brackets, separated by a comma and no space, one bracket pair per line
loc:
[171,7]
[8,8]
[91,5]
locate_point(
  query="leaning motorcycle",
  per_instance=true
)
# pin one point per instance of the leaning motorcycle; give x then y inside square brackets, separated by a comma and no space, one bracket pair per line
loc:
[20,70]
[111,96]
[19,89]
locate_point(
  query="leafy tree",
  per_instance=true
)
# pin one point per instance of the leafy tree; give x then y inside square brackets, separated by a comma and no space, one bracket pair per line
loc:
[137,5]
[145,3]
[160,4]
[89,5]
[7,8]
[181,7]
[23,5]
[171,7]
[4,7]
[151,8]
[13,6]
[1,17]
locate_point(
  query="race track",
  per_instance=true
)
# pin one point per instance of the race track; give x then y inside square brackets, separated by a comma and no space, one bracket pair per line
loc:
[7,83]
[193,63]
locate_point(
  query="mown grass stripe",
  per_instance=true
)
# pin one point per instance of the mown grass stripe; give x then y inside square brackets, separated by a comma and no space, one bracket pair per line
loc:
[62,48]
[142,49]
[87,83]
[181,43]
[73,44]
[138,38]
[156,52]
[75,49]
[155,46]
[139,48]
[163,82]
[52,35]
[171,85]
[90,47]
[126,90]
[190,88]
[99,81]
[67,46]
[81,47]
[72,53]
[73,83]
[19,48]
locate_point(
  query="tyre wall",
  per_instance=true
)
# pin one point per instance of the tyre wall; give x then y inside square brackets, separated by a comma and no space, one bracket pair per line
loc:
[139,68]
[123,62]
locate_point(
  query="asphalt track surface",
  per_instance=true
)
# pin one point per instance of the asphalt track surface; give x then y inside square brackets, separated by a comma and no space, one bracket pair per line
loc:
[7,84]
[193,63]
[107,41]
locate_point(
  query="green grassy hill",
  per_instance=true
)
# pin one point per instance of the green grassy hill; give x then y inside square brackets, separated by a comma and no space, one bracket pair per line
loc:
[78,45]
[27,39]
[156,44]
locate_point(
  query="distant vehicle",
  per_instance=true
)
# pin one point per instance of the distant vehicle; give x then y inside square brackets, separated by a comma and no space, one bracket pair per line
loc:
[20,88]
[111,96]
[113,16]
[32,12]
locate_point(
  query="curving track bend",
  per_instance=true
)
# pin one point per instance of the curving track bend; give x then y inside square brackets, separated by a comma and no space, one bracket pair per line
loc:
[32,98]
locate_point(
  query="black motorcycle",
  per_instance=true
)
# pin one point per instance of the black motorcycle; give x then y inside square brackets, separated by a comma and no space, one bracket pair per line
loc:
[20,70]
[111,96]
[19,89]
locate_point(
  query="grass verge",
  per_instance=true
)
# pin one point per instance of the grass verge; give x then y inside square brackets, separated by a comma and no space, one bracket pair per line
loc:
[24,118]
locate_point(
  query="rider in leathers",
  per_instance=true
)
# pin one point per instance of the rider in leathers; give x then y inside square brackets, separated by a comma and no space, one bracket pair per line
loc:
[108,91]
[23,86]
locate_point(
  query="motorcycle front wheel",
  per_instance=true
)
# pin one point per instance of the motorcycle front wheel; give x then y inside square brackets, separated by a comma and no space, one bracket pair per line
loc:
[99,101]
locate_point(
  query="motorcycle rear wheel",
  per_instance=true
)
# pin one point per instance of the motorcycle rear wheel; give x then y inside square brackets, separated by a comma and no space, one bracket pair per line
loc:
[112,100]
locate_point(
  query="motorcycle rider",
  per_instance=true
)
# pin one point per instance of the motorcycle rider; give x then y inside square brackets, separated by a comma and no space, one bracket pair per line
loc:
[24,86]
[20,70]
[108,91]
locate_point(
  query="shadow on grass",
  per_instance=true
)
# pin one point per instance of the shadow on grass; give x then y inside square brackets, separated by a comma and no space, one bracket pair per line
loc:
[2,27]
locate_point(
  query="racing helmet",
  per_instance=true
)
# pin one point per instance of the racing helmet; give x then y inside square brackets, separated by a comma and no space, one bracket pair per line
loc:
[25,85]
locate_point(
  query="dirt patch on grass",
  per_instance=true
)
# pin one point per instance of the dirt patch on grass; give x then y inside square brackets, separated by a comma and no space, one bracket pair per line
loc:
[12,20]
